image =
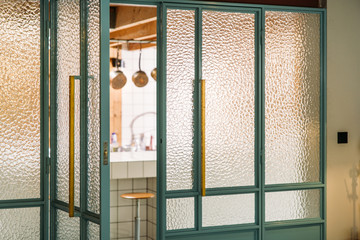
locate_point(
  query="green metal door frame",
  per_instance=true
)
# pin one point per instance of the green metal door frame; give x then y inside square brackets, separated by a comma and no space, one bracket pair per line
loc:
[102,219]
[259,188]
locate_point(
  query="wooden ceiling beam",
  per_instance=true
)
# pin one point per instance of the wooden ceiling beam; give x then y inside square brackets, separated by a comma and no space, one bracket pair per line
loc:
[128,16]
[137,32]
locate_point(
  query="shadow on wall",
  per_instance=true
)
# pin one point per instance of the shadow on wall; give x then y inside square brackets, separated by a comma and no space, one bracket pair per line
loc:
[354,173]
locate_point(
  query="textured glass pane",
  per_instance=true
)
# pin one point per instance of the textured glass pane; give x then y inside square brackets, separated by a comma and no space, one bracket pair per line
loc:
[180,107]
[67,228]
[68,63]
[94,106]
[292,97]
[20,224]
[19,99]
[229,72]
[93,231]
[180,213]
[228,209]
[292,205]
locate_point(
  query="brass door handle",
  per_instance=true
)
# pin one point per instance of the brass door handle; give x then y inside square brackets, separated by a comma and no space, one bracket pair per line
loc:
[203,185]
[71,144]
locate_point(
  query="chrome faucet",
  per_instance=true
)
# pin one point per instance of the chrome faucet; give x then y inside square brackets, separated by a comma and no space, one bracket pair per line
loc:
[136,144]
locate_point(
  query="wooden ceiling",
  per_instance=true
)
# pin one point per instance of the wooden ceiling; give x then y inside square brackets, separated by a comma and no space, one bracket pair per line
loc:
[133,23]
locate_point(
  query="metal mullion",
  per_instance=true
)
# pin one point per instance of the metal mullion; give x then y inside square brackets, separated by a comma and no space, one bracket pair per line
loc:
[181,194]
[44,118]
[258,120]
[197,3]
[53,116]
[104,120]
[323,25]
[293,186]
[231,191]
[83,116]
[89,216]
[197,160]
[161,123]
[22,203]
[213,230]
[261,31]
[294,223]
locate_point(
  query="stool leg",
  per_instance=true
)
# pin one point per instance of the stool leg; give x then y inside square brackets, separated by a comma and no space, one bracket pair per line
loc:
[137,220]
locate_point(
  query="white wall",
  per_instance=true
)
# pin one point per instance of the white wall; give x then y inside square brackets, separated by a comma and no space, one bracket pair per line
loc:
[343,115]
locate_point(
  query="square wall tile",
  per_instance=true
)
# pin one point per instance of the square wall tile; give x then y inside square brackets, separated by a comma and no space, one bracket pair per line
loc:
[125,229]
[113,230]
[119,170]
[113,198]
[125,214]
[135,170]
[113,215]
[113,185]
[150,169]
[140,183]
[125,184]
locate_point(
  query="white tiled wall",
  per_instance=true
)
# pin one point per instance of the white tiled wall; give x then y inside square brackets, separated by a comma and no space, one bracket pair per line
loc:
[123,211]
[137,100]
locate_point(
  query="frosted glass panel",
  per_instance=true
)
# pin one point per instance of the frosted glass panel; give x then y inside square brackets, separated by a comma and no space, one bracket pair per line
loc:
[68,63]
[180,213]
[20,224]
[291,205]
[19,99]
[180,107]
[292,97]
[67,228]
[93,231]
[228,209]
[229,72]
[94,106]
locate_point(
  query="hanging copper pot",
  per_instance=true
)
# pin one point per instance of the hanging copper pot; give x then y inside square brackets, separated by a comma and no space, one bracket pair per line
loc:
[140,78]
[119,80]
[153,74]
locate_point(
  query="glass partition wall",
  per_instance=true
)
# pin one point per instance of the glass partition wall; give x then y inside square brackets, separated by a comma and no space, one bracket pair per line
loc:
[241,123]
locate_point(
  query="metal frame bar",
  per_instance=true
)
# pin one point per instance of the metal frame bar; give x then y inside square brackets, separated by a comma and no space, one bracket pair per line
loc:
[44,119]
[53,123]
[104,119]
[83,116]
[210,3]
[199,114]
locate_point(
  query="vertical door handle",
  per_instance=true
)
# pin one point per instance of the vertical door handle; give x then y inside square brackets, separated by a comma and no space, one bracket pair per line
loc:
[203,185]
[71,144]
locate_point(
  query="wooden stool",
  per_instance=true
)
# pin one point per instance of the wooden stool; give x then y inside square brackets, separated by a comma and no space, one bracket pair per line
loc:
[138,196]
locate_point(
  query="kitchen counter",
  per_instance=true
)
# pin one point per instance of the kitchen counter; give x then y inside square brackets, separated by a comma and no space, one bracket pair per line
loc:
[132,164]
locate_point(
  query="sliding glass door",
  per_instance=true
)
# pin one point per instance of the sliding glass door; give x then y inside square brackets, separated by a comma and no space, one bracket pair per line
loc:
[23,120]
[79,121]
[241,123]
